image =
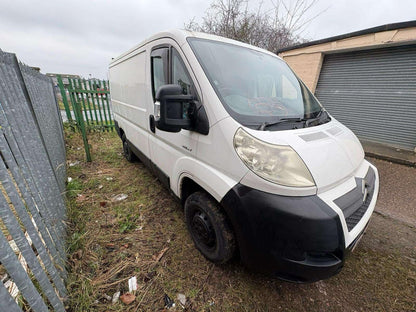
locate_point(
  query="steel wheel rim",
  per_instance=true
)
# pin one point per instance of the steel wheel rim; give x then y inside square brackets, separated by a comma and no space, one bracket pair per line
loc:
[202,230]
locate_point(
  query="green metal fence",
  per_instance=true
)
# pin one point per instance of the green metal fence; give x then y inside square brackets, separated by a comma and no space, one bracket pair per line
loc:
[87,106]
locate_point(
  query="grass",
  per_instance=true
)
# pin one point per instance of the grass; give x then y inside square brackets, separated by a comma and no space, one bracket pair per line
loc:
[110,241]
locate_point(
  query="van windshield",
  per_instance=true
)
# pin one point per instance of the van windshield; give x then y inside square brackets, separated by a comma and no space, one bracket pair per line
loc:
[255,88]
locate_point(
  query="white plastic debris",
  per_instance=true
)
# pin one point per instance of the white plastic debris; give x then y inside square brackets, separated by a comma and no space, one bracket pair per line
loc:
[182,299]
[69,179]
[74,163]
[116,296]
[109,179]
[100,186]
[132,284]
[120,197]
[107,297]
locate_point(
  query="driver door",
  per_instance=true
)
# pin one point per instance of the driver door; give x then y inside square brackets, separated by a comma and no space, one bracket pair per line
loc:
[166,148]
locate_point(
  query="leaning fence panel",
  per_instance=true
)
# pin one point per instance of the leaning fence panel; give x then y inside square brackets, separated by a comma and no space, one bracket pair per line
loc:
[34,225]
[19,275]
[7,302]
[32,184]
[32,195]
[19,114]
[42,97]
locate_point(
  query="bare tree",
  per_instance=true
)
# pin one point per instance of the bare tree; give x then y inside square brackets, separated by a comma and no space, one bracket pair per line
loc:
[271,29]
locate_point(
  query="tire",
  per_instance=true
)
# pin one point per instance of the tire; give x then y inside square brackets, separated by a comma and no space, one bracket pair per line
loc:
[209,228]
[127,152]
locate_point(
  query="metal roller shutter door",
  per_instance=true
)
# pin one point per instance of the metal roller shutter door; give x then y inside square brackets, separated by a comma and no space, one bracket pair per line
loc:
[373,92]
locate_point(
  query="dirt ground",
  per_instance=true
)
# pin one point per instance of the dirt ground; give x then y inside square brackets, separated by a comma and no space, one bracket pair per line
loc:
[144,235]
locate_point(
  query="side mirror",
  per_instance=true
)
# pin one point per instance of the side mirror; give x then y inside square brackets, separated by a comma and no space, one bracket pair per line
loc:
[172,108]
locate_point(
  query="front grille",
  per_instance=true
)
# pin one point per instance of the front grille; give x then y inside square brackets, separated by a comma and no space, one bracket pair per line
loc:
[352,204]
[353,219]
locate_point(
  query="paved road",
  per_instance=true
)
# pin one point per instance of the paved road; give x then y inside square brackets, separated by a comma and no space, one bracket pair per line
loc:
[397,197]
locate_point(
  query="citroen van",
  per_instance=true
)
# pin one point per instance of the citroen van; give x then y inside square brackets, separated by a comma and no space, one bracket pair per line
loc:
[263,171]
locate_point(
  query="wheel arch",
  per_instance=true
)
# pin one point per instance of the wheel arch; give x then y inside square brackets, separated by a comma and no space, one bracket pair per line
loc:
[187,187]
[212,181]
[191,175]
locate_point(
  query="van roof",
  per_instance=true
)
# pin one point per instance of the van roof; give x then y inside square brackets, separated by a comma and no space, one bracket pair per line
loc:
[180,35]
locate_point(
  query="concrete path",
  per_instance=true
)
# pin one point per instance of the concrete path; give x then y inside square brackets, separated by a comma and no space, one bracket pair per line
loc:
[397,197]
[389,153]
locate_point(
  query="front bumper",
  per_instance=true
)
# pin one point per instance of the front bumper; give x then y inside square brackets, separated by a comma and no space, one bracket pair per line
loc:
[302,239]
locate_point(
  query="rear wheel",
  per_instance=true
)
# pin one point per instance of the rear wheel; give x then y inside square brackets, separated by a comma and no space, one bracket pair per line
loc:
[127,152]
[209,228]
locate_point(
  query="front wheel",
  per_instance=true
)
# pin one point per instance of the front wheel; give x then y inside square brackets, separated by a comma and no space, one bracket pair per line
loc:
[209,228]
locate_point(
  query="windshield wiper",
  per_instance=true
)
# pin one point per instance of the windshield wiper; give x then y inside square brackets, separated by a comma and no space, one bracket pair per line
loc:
[316,118]
[307,121]
[266,124]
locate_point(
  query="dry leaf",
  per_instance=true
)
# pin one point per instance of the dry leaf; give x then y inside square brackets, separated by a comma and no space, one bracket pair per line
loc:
[160,255]
[127,298]
[110,246]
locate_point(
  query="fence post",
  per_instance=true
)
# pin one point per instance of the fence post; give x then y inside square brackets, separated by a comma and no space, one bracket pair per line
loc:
[81,125]
[64,99]
[80,97]
[79,118]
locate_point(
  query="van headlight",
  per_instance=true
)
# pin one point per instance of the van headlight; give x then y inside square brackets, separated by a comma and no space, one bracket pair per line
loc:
[276,163]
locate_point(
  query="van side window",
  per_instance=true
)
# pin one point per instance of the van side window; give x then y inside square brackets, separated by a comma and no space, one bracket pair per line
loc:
[159,61]
[180,75]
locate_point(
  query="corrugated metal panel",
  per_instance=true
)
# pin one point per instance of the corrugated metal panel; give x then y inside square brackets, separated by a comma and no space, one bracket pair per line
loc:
[32,207]
[373,92]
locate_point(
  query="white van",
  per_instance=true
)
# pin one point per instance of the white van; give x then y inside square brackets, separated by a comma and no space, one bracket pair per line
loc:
[261,168]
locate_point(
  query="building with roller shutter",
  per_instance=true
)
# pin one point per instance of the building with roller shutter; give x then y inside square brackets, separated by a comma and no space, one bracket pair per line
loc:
[365,79]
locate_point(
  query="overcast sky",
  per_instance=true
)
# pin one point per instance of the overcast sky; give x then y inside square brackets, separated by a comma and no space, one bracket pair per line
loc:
[81,37]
